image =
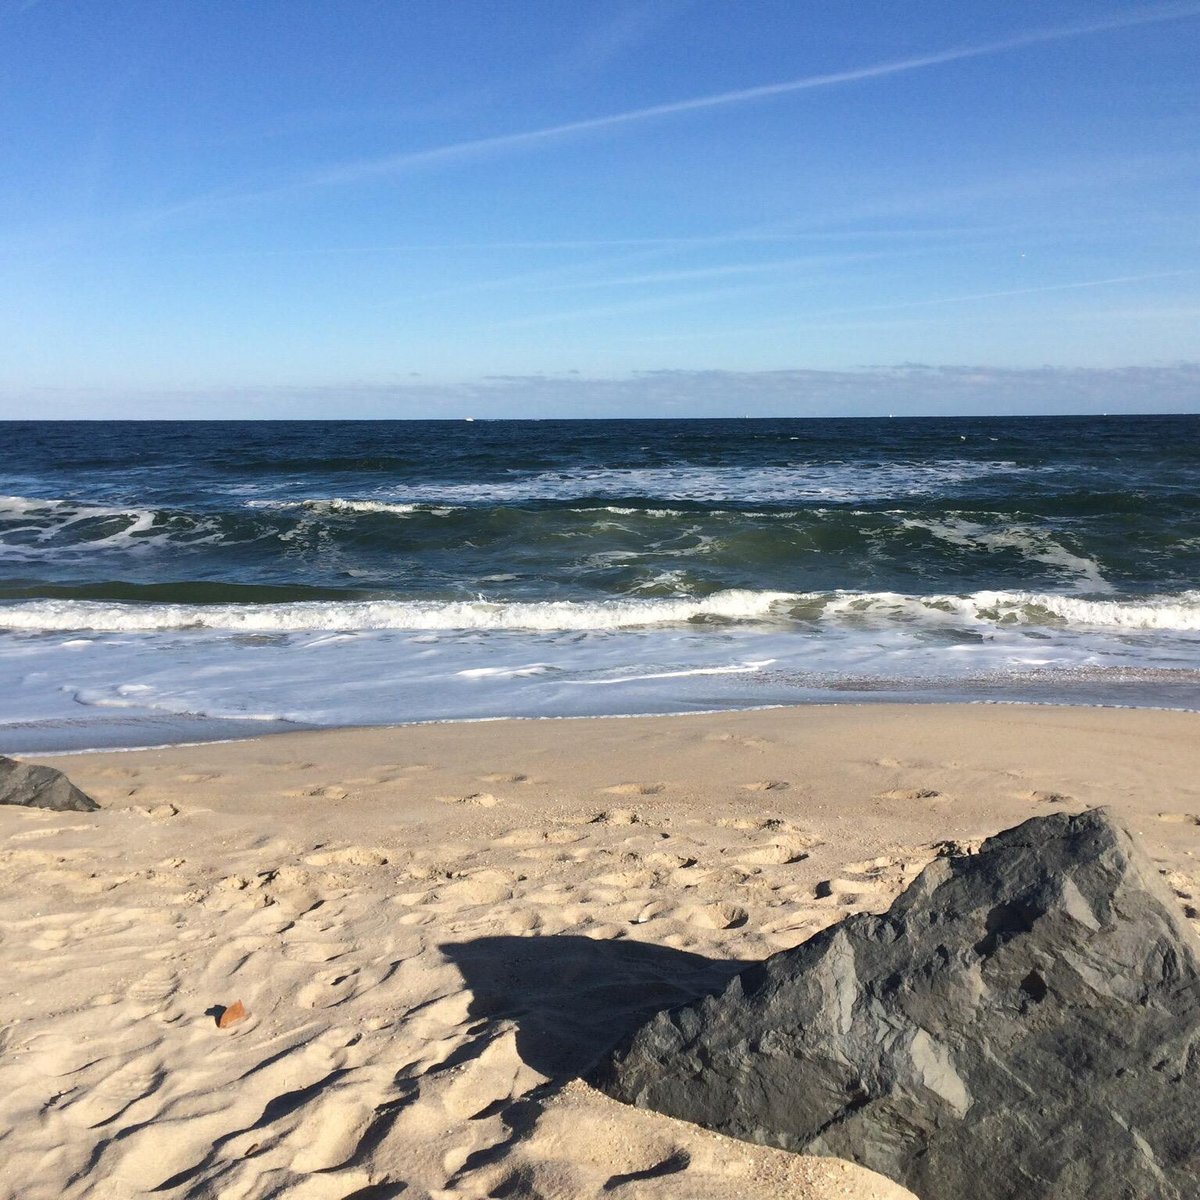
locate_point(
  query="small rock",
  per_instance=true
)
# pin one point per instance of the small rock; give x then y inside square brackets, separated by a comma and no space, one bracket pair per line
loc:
[40,787]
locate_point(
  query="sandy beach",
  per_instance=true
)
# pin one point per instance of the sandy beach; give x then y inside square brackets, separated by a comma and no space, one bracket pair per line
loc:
[435,929]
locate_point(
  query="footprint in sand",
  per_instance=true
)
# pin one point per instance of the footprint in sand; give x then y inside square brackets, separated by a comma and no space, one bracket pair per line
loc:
[539,837]
[495,1075]
[349,856]
[629,880]
[634,789]
[477,799]
[774,854]
[1179,818]
[331,1132]
[664,860]
[603,933]
[377,780]
[481,887]
[786,831]
[641,912]
[333,987]
[853,893]
[721,915]
[796,926]
[917,793]
[751,743]
[79,1046]
[51,940]
[316,952]
[1046,797]
[617,816]
[152,1153]
[766,785]
[117,1091]
[523,924]
[331,791]
[289,877]
[547,854]
[770,823]
[154,988]
[31,835]
[875,866]
[503,777]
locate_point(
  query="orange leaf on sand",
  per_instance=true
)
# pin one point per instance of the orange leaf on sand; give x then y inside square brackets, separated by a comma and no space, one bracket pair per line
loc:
[232,1015]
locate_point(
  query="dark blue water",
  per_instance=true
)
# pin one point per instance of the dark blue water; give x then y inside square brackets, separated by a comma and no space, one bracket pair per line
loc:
[206,573]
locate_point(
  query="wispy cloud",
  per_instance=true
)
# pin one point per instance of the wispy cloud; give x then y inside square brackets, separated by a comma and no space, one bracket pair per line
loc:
[561,279]
[364,170]
[232,198]
[794,266]
[614,36]
[641,304]
[830,318]
[676,300]
[681,242]
[1025,291]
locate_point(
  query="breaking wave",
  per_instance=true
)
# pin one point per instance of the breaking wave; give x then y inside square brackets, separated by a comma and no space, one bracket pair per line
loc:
[1177,613]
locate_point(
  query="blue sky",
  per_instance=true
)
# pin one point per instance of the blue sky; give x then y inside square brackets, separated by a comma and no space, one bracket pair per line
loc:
[213,207]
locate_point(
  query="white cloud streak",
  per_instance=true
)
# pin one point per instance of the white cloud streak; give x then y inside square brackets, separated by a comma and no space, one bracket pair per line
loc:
[823,319]
[367,169]
[1026,291]
[679,299]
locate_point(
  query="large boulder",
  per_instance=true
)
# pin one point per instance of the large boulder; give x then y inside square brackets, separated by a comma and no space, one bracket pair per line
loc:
[1023,1022]
[40,787]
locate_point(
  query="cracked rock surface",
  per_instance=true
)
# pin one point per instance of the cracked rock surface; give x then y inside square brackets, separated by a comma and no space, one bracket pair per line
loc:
[1023,1021]
[40,787]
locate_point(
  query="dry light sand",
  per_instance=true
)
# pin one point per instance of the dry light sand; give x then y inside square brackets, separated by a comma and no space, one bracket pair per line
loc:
[432,928]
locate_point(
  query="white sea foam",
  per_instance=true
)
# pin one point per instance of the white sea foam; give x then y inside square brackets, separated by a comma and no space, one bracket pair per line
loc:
[800,481]
[1178,613]
[338,505]
[504,672]
[40,525]
[1036,545]
[884,646]
[47,518]
[740,668]
[303,616]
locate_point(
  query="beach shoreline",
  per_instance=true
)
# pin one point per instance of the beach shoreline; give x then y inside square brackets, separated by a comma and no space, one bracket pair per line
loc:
[320,575]
[226,730]
[434,927]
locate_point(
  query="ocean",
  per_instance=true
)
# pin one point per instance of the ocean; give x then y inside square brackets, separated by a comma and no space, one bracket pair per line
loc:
[165,582]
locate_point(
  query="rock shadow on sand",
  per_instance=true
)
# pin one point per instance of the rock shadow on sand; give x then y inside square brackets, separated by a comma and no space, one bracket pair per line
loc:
[573,998]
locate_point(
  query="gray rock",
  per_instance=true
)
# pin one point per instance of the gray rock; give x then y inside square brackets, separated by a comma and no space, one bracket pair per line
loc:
[40,787]
[1023,1022]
